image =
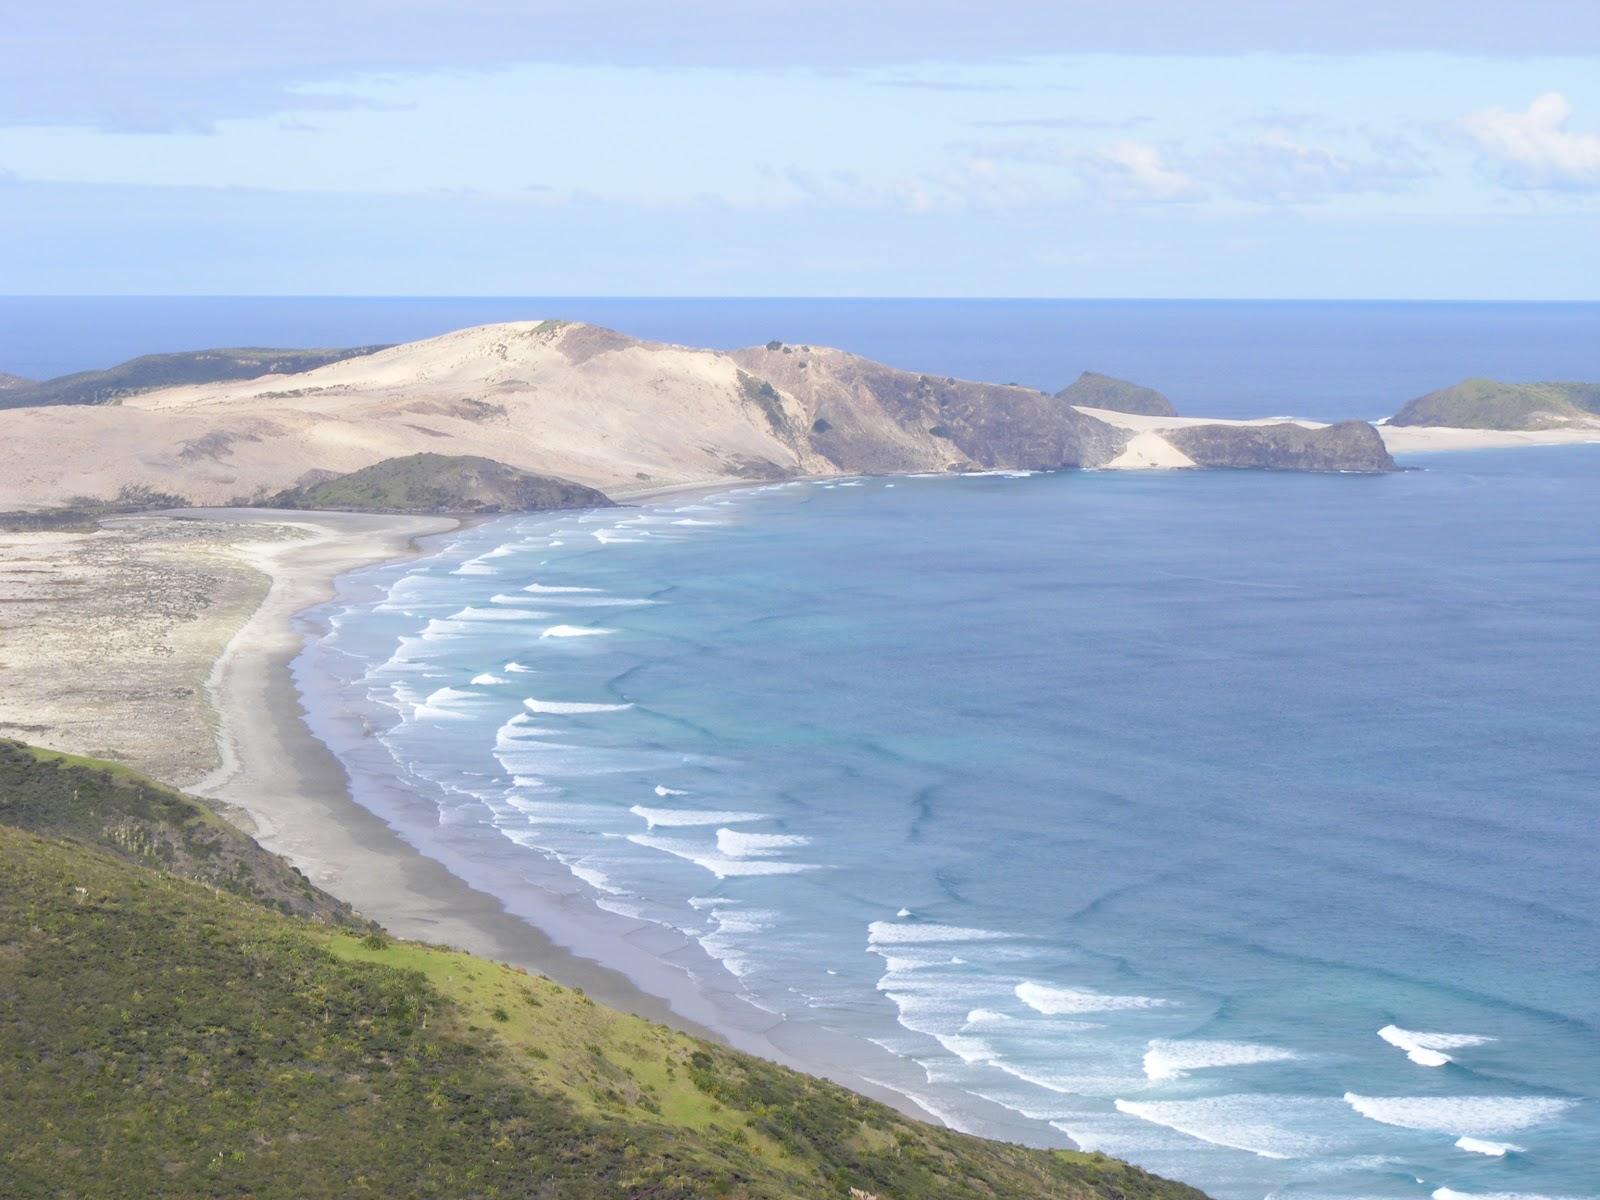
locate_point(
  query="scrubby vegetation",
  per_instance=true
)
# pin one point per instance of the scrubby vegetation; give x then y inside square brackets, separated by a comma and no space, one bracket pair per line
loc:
[85,512]
[162,1037]
[440,483]
[765,397]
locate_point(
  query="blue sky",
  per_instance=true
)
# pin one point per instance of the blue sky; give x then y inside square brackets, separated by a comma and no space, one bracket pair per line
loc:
[1406,149]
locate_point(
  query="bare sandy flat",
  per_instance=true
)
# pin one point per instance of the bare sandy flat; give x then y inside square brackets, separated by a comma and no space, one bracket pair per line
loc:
[107,636]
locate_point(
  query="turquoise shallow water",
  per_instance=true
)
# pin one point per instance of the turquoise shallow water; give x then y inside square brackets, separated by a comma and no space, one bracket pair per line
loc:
[1242,825]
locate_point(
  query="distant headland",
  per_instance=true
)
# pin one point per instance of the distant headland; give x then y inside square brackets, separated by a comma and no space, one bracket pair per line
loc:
[593,413]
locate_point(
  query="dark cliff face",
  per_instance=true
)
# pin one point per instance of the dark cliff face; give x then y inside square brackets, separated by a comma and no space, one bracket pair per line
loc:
[865,417]
[1490,404]
[1347,446]
[441,483]
[153,371]
[1093,390]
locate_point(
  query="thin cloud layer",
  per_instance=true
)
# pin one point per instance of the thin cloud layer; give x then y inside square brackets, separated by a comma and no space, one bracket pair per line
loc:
[184,64]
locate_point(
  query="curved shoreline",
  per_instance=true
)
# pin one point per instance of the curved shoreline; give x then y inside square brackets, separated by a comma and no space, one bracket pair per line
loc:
[297,796]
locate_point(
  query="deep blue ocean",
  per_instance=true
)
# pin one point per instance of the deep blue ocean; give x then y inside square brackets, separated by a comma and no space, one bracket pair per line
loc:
[1242,825]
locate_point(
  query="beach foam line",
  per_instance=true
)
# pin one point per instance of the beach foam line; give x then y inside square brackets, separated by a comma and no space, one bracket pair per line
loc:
[757,845]
[1428,1049]
[687,817]
[565,707]
[1464,1116]
[1168,1059]
[1481,1146]
[1063,1001]
[1449,1193]
[573,631]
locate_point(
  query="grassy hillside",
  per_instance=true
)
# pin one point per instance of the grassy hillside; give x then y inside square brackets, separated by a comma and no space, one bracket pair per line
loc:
[441,483]
[162,1037]
[1093,390]
[151,371]
[119,811]
[1490,404]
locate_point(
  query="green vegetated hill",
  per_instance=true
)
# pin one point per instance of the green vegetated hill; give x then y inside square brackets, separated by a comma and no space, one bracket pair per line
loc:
[162,1035]
[1093,390]
[1490,404]
[441,483]
[151,371]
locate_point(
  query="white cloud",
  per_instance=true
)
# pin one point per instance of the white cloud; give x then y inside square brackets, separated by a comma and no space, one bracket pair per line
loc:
[1138,171]
[1534,149]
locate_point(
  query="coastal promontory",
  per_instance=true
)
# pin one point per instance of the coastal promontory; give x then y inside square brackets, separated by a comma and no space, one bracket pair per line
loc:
[579,406]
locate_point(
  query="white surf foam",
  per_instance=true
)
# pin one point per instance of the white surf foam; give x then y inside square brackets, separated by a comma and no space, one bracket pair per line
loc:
[572,631]
[664,791]
[987,1016]
[719,865]
[881,933]
[487,680]
[1449,1193]
[443,705]
[1279,1127]
[904,912]
[1428,1049]
[517,668]
[1065,1001]
[496,614]
[1167,1059]
[757,845]
[1464,1116]
[567,707]
[686,817]
[552,589]
[1483,1146]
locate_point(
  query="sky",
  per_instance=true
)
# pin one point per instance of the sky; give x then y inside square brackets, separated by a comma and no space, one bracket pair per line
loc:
[1147,148]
